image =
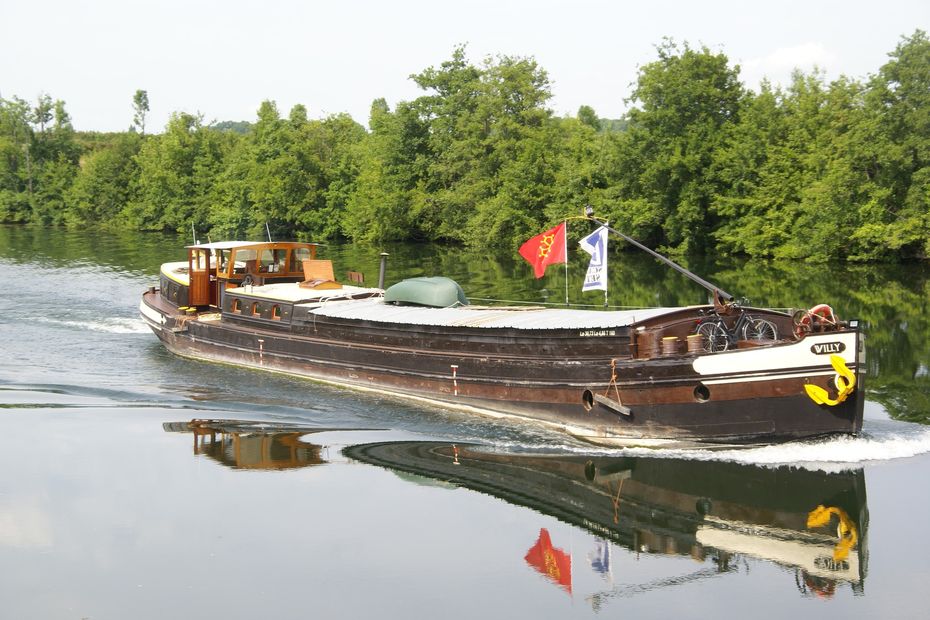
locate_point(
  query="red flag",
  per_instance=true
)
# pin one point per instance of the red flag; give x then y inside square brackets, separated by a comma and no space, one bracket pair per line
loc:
[552,562]
[545,249]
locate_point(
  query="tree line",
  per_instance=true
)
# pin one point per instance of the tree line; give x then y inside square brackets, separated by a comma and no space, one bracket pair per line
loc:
[812,170]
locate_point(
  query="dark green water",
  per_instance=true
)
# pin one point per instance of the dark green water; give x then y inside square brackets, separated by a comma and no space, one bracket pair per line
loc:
[111,507]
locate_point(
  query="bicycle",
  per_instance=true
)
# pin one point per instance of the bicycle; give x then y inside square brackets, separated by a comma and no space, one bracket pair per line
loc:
[717,337]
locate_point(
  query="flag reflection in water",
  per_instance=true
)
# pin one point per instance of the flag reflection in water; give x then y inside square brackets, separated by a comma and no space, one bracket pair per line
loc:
[551,561]
[600,560]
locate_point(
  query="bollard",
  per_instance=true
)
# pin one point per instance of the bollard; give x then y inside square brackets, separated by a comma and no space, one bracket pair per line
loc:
[695,343]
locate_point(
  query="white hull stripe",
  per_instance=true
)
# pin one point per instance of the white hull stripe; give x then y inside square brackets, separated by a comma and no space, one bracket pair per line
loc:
[765,360]
[153,316]
[756,378]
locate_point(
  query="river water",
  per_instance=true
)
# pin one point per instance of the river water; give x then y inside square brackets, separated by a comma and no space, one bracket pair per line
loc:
[288,497]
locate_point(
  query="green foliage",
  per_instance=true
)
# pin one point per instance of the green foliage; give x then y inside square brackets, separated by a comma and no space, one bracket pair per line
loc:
[897,218]
[686,100]
[810,171]
[587,116]
[390,162]
[470,161]
[294,175]
[15,141]
[832,171]
[239,127]
[176,178]
[103,185]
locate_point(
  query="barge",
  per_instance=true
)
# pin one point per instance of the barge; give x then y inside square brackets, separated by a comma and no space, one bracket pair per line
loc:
[718,374]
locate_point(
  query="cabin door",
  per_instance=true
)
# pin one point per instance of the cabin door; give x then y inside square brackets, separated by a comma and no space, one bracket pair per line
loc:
[199,263]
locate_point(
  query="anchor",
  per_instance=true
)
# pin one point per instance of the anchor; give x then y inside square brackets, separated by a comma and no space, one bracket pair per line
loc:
[845,382]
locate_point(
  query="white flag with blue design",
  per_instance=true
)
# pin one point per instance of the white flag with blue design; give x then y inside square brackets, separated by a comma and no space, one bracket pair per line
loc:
[595,244]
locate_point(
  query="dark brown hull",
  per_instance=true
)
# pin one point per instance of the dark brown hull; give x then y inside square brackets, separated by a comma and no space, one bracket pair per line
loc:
[529,374]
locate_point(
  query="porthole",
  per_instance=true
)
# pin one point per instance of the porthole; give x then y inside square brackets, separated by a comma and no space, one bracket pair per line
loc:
[590,471]
[701,393]
[703,506]
[587,399]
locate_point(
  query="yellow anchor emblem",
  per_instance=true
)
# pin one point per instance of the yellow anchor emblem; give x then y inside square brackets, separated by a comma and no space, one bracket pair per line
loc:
[845,382]
[845,529]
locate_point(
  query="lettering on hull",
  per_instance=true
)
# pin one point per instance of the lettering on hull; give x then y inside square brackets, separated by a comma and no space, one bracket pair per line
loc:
[597,332]
[828,348]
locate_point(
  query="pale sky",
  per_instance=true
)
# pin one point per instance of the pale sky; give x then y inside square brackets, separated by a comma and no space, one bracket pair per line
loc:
[223,58]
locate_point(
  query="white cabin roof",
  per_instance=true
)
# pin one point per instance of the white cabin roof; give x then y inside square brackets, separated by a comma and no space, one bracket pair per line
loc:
[374,309]
[228,245]
[223,245]
[290,291]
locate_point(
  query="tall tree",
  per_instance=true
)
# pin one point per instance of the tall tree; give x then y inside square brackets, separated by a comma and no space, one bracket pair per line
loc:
[682,102]
[16,138]
[485,169]
[43,112]
[292,174]
[104,183]
[587,116]
[899,106]
[140,107]
[391,165]
[178,171]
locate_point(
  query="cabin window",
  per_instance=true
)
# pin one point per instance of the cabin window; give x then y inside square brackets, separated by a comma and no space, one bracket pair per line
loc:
[276,312]
[224,260]
[272,260]
[256,310]
[298,255]
[243,260]
[237,306]
[199,260]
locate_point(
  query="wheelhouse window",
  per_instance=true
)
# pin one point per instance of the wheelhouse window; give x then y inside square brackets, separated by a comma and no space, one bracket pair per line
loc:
[272,260]
[276,312]
[200,260]
[256,310]
[245,260]
[237,306]
[224,256]
[298,255]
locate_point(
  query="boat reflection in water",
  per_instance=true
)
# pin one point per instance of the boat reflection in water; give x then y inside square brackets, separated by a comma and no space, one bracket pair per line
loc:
[250,445]
[812,523]
[722,515]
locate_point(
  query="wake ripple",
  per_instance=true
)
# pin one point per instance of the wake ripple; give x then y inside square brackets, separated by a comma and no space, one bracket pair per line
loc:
[881,440]
[111,325]
[884,441]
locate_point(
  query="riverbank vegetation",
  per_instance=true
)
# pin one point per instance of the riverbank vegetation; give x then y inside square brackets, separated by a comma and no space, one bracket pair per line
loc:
[812,170]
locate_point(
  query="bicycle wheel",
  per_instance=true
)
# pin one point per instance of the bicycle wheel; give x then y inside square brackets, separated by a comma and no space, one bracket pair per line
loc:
[715,337]
[759,329]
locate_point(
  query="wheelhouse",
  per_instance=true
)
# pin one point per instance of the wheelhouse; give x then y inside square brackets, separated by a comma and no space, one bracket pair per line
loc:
[211,268]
